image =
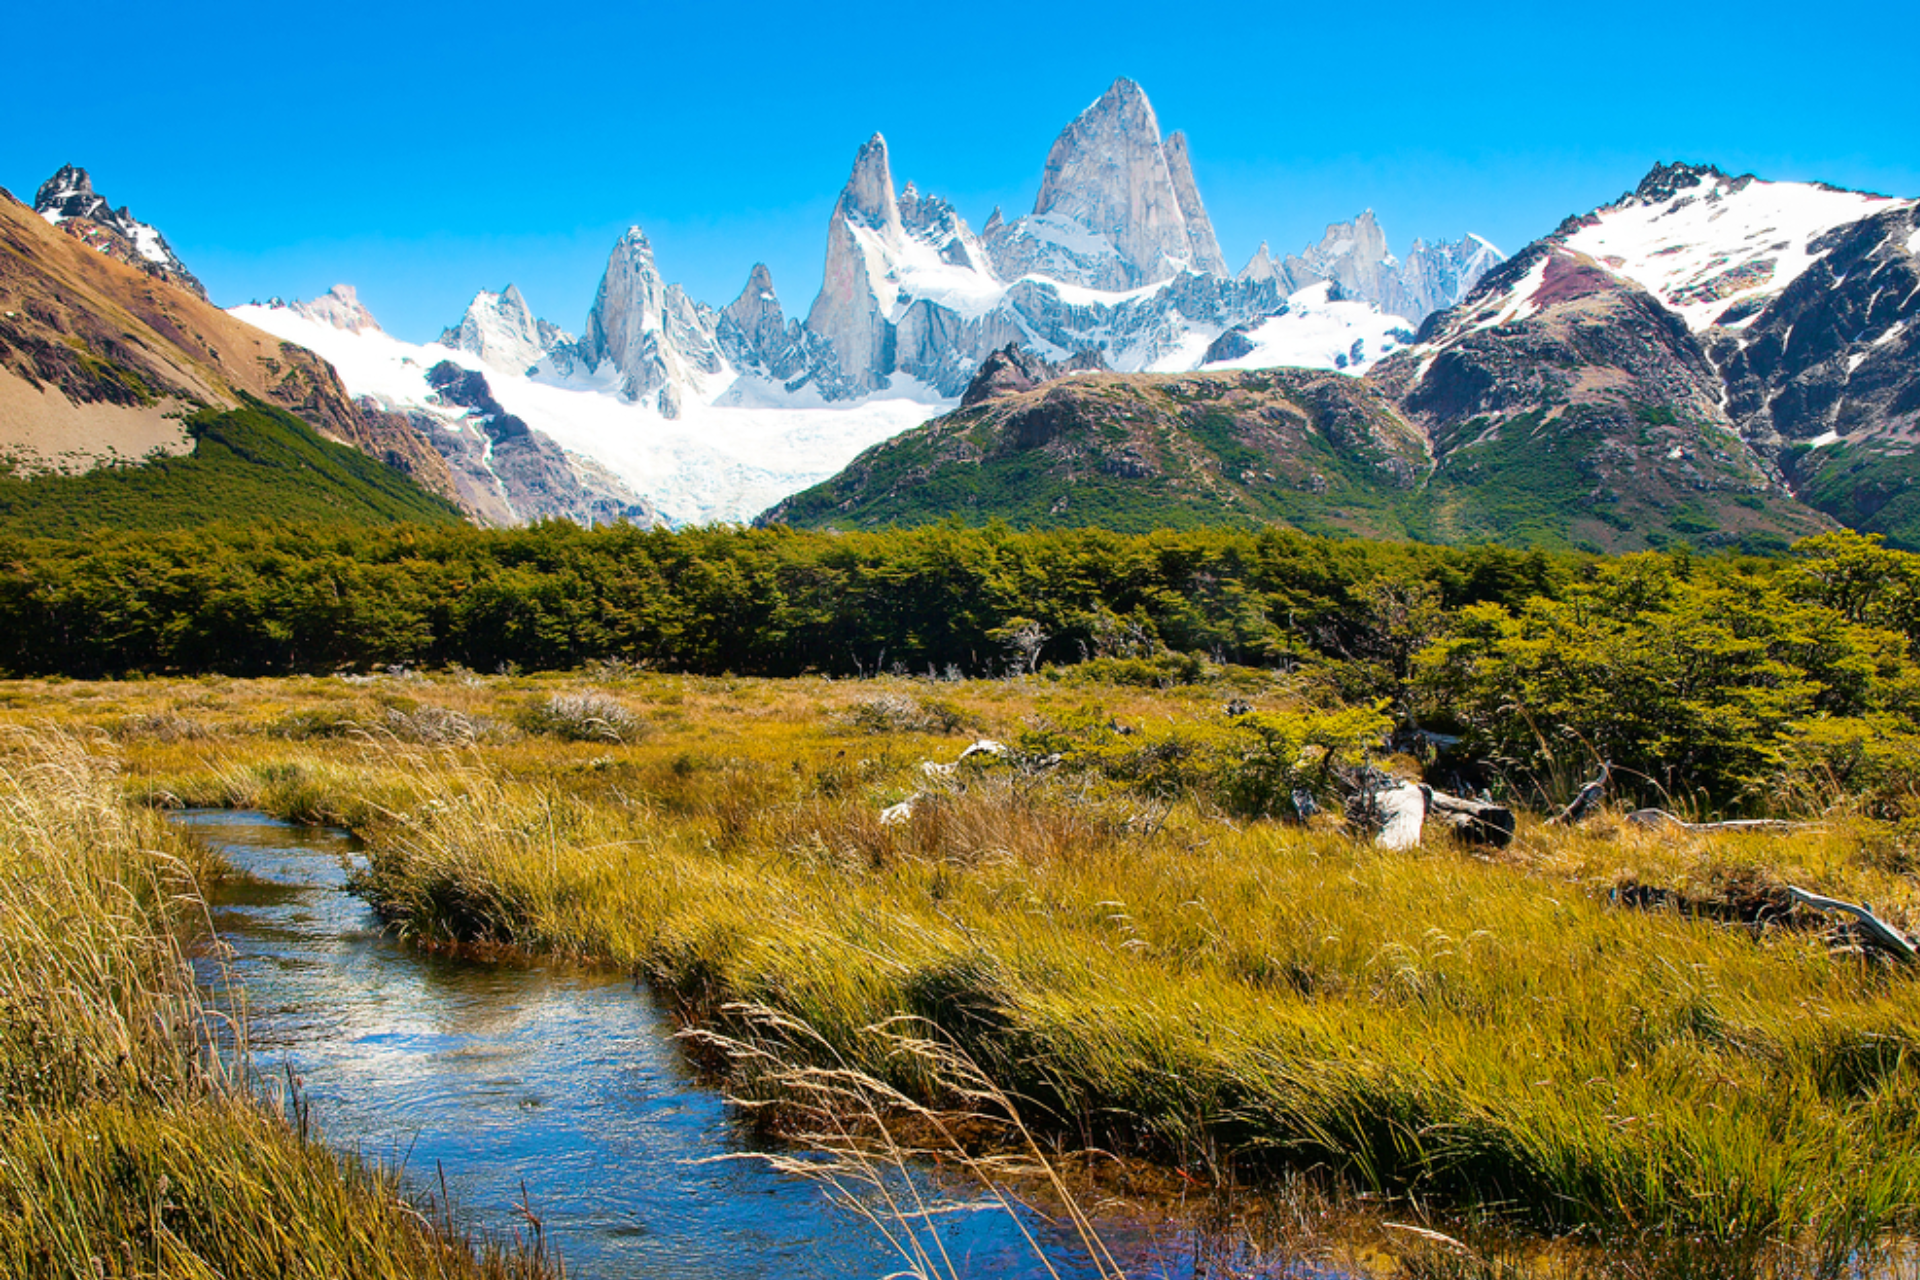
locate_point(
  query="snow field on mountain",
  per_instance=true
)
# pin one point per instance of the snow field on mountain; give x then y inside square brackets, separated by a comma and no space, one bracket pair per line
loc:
[918,271]
[714,463]
[1313,333]
[1711,246]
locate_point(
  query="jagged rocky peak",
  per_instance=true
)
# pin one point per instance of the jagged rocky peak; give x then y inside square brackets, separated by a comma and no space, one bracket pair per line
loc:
[868,195]
[68,200]
[657,342]
[502,330]
[1107,172]
[851,314]
[339,307]
[1354,256]
[1260,266]
[1664,181]
[1012,369]
[755,333]
[68,194]
[1204,246]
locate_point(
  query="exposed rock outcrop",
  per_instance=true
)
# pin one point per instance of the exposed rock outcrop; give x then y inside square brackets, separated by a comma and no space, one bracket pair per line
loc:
[68,201]
[656,343]
[508,473]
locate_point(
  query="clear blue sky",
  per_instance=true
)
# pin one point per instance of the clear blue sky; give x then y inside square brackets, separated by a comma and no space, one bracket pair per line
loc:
[422,151]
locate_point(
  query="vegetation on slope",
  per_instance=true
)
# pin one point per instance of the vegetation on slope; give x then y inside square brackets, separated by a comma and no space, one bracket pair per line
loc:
[1868,486]
[1315,451]
[254,464]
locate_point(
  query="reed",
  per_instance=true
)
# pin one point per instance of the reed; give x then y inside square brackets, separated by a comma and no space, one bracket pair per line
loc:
[130,1141]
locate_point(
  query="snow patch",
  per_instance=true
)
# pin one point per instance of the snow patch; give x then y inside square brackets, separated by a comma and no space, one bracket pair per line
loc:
[1702,252]
[1312,333]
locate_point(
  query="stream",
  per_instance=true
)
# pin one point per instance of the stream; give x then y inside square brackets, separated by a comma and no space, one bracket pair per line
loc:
[499,1076]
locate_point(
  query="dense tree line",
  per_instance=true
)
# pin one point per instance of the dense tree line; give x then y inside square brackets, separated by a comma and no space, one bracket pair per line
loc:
[768,602]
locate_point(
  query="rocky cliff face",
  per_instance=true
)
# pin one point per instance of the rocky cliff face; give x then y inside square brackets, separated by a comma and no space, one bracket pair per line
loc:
[852,316]
[502,330]
[652,341]
[1108,173]
[756,336]
[1826,377]
[68,201]
[507,473]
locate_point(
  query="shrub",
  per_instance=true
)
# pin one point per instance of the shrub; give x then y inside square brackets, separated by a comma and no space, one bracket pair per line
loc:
[901,713]
[1250,765]
[588,716]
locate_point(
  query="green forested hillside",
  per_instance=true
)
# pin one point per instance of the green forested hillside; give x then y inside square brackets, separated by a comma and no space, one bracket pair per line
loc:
[254,463]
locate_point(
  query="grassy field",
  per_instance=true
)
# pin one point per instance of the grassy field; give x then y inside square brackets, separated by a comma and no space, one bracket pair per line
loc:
[1493,1036]
[129,1146]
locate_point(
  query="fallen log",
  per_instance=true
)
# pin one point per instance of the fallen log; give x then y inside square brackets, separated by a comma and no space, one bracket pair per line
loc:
[1584,803]
[1873,928]
[1402,811]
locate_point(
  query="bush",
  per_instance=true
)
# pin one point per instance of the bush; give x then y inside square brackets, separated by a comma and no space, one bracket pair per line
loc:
[900,713]
[1162,671]
[1249,765]
[589,716]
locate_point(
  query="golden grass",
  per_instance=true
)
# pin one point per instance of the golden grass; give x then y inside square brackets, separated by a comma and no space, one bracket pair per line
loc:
[1491,1035]
[129,1144]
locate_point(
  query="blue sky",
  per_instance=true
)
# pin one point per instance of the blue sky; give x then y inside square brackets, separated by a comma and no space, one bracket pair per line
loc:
[422,151]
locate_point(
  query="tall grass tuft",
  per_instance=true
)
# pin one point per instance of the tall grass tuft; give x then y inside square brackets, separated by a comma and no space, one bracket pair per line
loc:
[130,1144]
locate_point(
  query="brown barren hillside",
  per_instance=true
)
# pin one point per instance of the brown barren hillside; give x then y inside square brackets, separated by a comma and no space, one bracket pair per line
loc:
[98,359]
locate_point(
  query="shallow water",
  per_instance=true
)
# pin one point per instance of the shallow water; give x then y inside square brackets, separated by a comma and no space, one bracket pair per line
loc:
[503,1076]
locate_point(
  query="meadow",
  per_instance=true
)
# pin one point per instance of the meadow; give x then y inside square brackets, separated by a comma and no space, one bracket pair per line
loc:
[1152,968]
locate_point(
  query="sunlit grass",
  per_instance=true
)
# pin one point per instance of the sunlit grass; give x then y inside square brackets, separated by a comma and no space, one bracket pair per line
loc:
[130,1144]
[1488,1034]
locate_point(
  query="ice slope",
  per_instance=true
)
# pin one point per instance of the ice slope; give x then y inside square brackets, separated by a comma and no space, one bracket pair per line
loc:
[712,464]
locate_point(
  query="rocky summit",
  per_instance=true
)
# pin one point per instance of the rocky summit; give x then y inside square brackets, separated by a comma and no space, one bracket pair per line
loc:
[68,201]
[1117,256]
[501,329]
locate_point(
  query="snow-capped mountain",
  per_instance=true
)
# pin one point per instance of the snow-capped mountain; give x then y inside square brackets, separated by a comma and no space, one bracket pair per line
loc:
[1695,346]
[714,414]
[502,330]
[67,200]
[589,452]
[1715,249]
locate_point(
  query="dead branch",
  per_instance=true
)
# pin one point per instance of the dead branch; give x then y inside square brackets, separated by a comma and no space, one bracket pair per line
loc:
[1877,931]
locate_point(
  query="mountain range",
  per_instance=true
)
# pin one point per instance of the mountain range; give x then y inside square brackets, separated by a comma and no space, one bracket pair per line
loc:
[716,413]
[1713,359]
[1709,359]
